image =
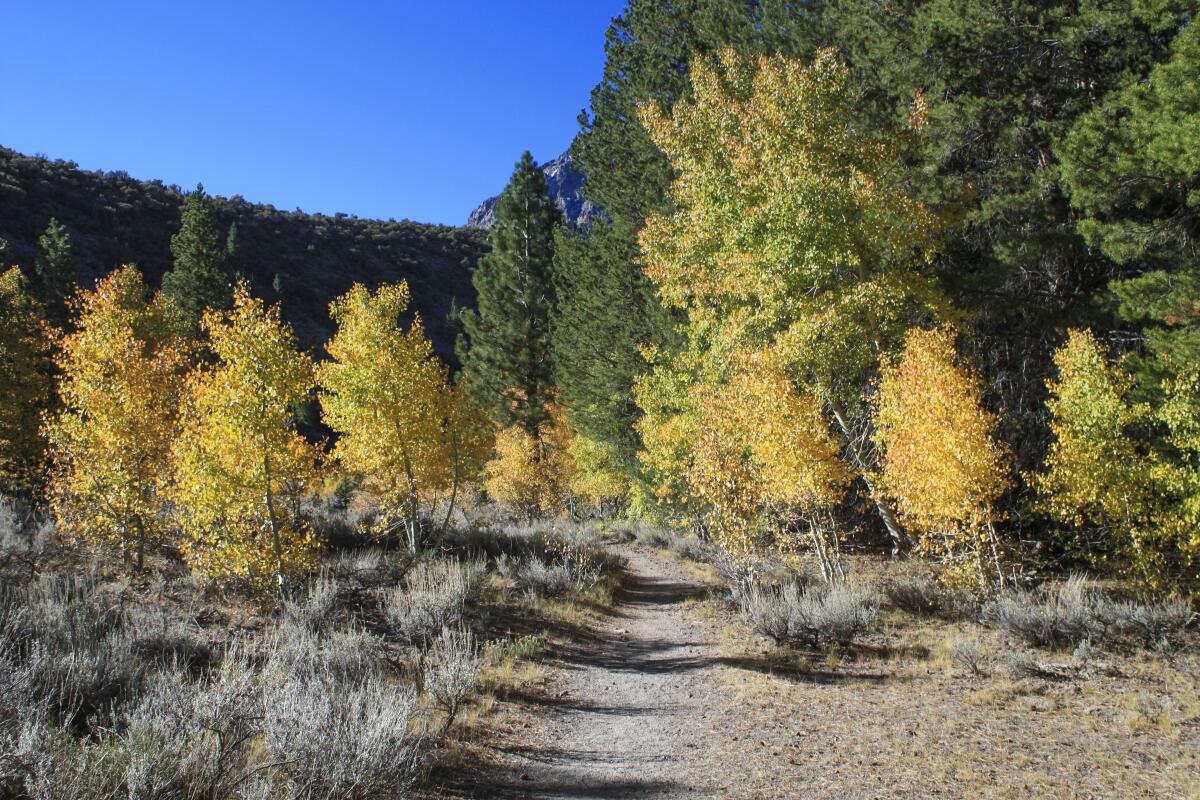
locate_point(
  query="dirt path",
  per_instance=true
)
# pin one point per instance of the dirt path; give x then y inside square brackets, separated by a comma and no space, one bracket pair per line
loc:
[633,711]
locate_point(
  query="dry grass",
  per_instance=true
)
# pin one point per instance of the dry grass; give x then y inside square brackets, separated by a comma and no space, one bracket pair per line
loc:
[904,714]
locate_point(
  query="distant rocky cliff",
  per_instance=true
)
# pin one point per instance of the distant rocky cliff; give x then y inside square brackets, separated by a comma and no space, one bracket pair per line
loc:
[565,186]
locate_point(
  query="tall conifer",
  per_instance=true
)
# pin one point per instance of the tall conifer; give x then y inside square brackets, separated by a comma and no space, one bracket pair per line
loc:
[54,271]
[506,351]
[199,278]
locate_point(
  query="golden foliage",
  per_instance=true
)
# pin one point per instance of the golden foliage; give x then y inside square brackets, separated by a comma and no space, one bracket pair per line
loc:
[799,256]
[533,474]
[788,214]
[240,467]
[401,425]
[1098,473]
[600,478]
[25,369]
[122,370]
[941,463]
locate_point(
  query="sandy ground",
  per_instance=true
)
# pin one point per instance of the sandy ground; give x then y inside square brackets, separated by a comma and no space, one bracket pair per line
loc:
[669,699]
[632,710]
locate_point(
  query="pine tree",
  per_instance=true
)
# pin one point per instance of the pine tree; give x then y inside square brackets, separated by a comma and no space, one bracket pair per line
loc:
[506,353]
[1005,81]
[1132,165]
[199,278]
[54,271]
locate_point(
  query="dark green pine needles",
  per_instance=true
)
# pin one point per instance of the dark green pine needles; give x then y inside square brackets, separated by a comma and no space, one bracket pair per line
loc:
[506,352]
[199,278]
[54,271]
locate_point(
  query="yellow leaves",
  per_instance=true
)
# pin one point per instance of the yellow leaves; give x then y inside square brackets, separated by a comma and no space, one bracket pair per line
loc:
[533,473]
[121,375]
[599,476]
[1097,472]
[940,461]
[780,196]
[400,423]
[1092,468]
[240,468]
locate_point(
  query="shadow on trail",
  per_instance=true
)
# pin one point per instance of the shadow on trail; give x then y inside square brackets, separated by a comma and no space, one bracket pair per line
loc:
[557,770]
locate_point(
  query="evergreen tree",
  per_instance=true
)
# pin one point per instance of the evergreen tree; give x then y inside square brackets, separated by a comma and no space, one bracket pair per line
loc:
[607,307]
[25,374]
[1004,82]
[199,278]
[506,353]
[1132,165]
[54,271]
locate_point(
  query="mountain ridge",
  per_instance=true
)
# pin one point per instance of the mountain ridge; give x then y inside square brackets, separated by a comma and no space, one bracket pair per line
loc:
[114,219]
[566,189]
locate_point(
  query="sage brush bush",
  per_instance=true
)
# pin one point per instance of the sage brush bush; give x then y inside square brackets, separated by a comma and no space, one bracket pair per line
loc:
[1072,613]
[918,596]
[334,741]
[814,615]
[450,669]
[432,598]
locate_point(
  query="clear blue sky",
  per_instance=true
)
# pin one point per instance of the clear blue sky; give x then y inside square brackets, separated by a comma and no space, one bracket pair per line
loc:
[384,109]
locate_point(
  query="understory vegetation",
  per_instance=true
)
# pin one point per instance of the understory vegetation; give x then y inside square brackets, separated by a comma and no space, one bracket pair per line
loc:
[169,687]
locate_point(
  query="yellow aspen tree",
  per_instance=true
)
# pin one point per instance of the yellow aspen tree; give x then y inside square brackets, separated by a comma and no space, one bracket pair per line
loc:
[121,373]
[792,232]
[940,461]
[387,396]
[1175,539]
[722,474]
[468,440]
[599,478]
[1099,476]
[533,474]
[240,466]
[25,373]
[803,474]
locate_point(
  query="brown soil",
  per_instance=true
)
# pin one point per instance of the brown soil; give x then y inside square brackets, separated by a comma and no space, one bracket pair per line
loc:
[671,697]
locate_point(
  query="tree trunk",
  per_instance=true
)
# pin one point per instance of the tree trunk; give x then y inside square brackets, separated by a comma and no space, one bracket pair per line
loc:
[900,539]
[273,519]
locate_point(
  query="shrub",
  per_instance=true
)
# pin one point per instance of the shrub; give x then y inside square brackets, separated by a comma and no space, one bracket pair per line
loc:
[919,596]
[336,741]
[315,612]
[1072,613]
[345,654]
[550,580]
[1046,618]
[433,598]
[1158,624]
[449,670]
[968,654]
[652,537]
[815,615]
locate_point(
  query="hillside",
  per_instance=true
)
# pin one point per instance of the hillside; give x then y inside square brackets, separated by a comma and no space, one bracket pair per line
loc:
[566,189]
[114,219]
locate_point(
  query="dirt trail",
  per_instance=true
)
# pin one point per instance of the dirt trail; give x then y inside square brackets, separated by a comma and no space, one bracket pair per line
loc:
[633,712]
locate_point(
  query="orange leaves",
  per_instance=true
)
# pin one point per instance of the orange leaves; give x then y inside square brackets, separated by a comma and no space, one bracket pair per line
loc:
[534,474]
[940,461]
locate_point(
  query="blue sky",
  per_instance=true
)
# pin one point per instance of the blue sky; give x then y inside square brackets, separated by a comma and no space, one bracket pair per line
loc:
[397,109]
